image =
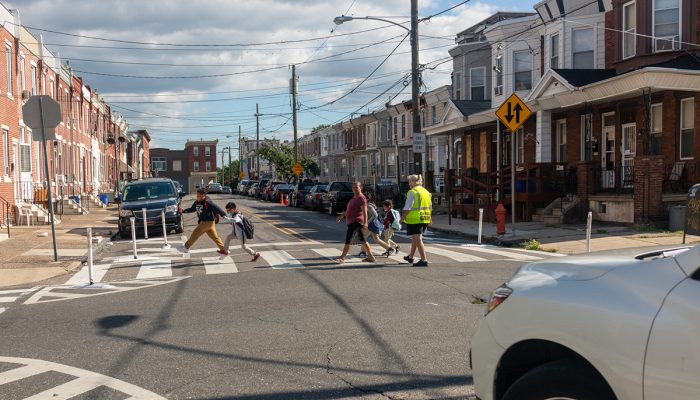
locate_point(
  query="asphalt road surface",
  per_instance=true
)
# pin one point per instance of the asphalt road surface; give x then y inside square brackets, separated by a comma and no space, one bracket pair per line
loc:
[293,325]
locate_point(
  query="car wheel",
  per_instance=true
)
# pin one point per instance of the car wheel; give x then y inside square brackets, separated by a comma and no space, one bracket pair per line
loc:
[181,226]
[565,379]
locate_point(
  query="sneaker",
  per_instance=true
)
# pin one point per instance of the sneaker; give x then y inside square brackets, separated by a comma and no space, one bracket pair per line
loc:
[396,249]
[386,254]
[362,254]
[391,251]
[223,253]
[256,256]
[421,263]
[182,249]
[409,259]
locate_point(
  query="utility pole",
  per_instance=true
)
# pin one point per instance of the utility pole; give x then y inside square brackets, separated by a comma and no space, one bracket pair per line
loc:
[239,152]
[293,86]
[230,173]
[257,142]
[415,79]
[223,171]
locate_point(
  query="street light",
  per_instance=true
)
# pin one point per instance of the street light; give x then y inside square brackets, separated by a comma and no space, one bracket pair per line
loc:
[415,80]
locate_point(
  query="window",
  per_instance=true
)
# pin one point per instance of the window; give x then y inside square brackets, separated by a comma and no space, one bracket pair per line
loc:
[586,137]
[396,129]
[195,151]
[629,27]
[477,79]
[433,115]
[522,65]
[195,166]
[6,152]
[52,88]
[34,87]
[554,51]
[363,166]
[687,127]
[391,165]
[458,85]
[207,151]
[8,67]
[403,126]
[561,140]
[25,151]
[159,164]
[582,48]
[656,128]
[207,166]
[22,75]
[667,16]
[498,68]
[177,165]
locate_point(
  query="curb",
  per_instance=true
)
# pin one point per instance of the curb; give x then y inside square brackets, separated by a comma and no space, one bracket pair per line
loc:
[486,239]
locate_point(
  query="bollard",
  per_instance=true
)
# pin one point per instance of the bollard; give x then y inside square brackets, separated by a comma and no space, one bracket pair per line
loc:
[145,224]
[481,223]
[89,237]
[133,236]
[165,230]
[588,231]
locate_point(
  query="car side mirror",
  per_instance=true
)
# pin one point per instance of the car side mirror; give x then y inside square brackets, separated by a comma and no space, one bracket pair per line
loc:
[181,195]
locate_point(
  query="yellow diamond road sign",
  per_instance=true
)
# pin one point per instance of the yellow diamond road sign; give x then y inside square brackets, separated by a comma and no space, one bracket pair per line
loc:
[241,174]
[513,112]
[297,168]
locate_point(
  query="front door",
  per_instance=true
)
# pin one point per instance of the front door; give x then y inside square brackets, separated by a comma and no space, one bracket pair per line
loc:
[629,151]
[607,159]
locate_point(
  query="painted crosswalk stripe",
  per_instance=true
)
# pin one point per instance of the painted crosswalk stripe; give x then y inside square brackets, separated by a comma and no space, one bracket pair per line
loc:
[8,299]
[82,277]
[2,309]
[217,265]
[280,259]
[504,253]
[378,250]
[453,255]
[155,269]
[333,253]
[21,373]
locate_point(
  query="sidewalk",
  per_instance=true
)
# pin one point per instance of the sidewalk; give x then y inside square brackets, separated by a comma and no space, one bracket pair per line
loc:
[564,239]
[27,256]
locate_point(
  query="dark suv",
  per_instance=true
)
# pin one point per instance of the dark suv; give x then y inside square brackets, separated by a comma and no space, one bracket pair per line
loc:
[155,195]
[336,197]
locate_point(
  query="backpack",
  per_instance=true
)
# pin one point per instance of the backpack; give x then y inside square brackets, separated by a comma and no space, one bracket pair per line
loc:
[396,224]
[247,227]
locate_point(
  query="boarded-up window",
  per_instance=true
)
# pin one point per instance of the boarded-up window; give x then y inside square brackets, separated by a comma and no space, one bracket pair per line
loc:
[484,152]
[470,152]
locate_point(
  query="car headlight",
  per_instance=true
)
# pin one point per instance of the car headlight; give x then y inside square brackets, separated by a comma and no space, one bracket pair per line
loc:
[126,213]
[498,296]
[171,208]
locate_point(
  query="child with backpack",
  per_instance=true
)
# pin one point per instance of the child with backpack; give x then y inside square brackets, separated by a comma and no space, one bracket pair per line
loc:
[242,230]
[392,223]
[207,216]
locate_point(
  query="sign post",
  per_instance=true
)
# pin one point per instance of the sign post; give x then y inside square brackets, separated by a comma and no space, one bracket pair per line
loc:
[42,114]
[513,113]
[692,213]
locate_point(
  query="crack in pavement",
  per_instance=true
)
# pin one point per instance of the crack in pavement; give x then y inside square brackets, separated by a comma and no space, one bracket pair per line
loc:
[347,382]
[269,321]
[443,284]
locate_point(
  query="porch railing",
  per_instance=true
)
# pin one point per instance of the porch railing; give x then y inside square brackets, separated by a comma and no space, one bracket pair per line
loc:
[618,179]
[680,176]
[6,214]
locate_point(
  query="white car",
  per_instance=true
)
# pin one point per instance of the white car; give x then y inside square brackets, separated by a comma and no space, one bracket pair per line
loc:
[593,328]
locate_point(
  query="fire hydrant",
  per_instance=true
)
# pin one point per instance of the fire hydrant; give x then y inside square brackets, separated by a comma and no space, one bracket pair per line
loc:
[500,219]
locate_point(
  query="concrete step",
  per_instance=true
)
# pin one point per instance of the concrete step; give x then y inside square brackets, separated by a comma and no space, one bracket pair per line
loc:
[557,212]
[539,211]
[553,219]
[537,218]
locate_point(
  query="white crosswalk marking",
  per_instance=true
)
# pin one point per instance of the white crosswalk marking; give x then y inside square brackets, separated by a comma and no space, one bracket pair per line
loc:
[280,259]
[2,309]
[216,265]
[11,295]
[7,299]
[82,277]
[453,255]
[333,253]
[155,269]
[20,373]
[504,253]
[377,250]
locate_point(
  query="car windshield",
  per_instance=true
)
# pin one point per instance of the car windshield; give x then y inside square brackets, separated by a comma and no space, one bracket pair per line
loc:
[305,186]
[149,191]
[321,188]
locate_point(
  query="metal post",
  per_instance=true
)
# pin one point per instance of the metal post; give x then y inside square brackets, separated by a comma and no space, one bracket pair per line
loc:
[133,236]
[589,221]
[415,79]
[48,180]
[89,237]
[293,84]
[257,142]
[165,231]
[145,224]
[230,173]
[481,224]
[512,179]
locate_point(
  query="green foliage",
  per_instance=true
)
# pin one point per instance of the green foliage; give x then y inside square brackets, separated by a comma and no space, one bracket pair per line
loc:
[319,127]
[282,160]
[531,244]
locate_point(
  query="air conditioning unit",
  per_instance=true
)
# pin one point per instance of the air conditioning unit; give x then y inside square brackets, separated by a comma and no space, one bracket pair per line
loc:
[668,43]
[498,90]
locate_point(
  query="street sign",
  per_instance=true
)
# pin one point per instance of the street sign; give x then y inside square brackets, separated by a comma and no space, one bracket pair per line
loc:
[418,142]
[241,175]
[513,112]
[32,111]
[297,169]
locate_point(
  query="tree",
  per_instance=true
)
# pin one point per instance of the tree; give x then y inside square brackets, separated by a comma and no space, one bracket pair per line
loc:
[282,160]
[319,127]
[310,166]
[230,173]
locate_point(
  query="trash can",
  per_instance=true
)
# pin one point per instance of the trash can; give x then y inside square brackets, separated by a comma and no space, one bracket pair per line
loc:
[676,218]
[104,199]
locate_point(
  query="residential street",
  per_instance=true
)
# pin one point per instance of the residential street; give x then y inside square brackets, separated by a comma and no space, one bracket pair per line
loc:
[292,325]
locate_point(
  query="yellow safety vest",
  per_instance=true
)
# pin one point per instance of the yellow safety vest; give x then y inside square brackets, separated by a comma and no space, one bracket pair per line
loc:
[422,206]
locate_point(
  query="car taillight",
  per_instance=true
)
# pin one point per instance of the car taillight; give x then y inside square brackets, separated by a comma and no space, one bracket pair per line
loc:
[498,296]
[318,196]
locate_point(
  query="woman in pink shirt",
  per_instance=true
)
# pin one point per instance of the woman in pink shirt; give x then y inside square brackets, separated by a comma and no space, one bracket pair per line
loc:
[356,217]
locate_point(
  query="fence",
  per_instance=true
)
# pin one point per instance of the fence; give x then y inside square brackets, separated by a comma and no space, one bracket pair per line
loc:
[618,179]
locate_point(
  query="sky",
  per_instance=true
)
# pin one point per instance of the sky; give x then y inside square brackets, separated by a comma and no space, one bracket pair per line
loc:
[195,69]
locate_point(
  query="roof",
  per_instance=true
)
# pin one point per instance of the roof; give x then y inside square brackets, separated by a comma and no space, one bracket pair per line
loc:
[497,17]
[686,61]
[468,107]
[583,77]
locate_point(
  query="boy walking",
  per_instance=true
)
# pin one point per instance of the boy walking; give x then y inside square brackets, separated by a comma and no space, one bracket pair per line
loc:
[392,223]
[235,218]
[207,214]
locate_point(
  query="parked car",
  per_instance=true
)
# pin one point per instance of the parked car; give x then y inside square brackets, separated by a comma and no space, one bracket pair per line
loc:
[298,195]
[593,327]
[336,197]
[227,190]
[180,189]
[247,187]
[281,189]
[214,188]
[155,195]
[254,189]
[261,188]
[313,197]
[241,185]
[268,189]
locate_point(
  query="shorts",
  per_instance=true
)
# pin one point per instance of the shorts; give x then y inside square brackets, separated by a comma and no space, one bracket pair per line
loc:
[415,229]
[355,234]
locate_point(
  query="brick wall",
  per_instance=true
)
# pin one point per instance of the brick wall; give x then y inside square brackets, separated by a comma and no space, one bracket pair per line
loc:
[648,183]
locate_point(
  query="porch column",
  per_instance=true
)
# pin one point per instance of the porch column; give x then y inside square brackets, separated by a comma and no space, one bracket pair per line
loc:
[544,137]
[648,185]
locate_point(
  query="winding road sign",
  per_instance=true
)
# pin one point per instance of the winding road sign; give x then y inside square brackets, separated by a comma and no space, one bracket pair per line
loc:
[513,112]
